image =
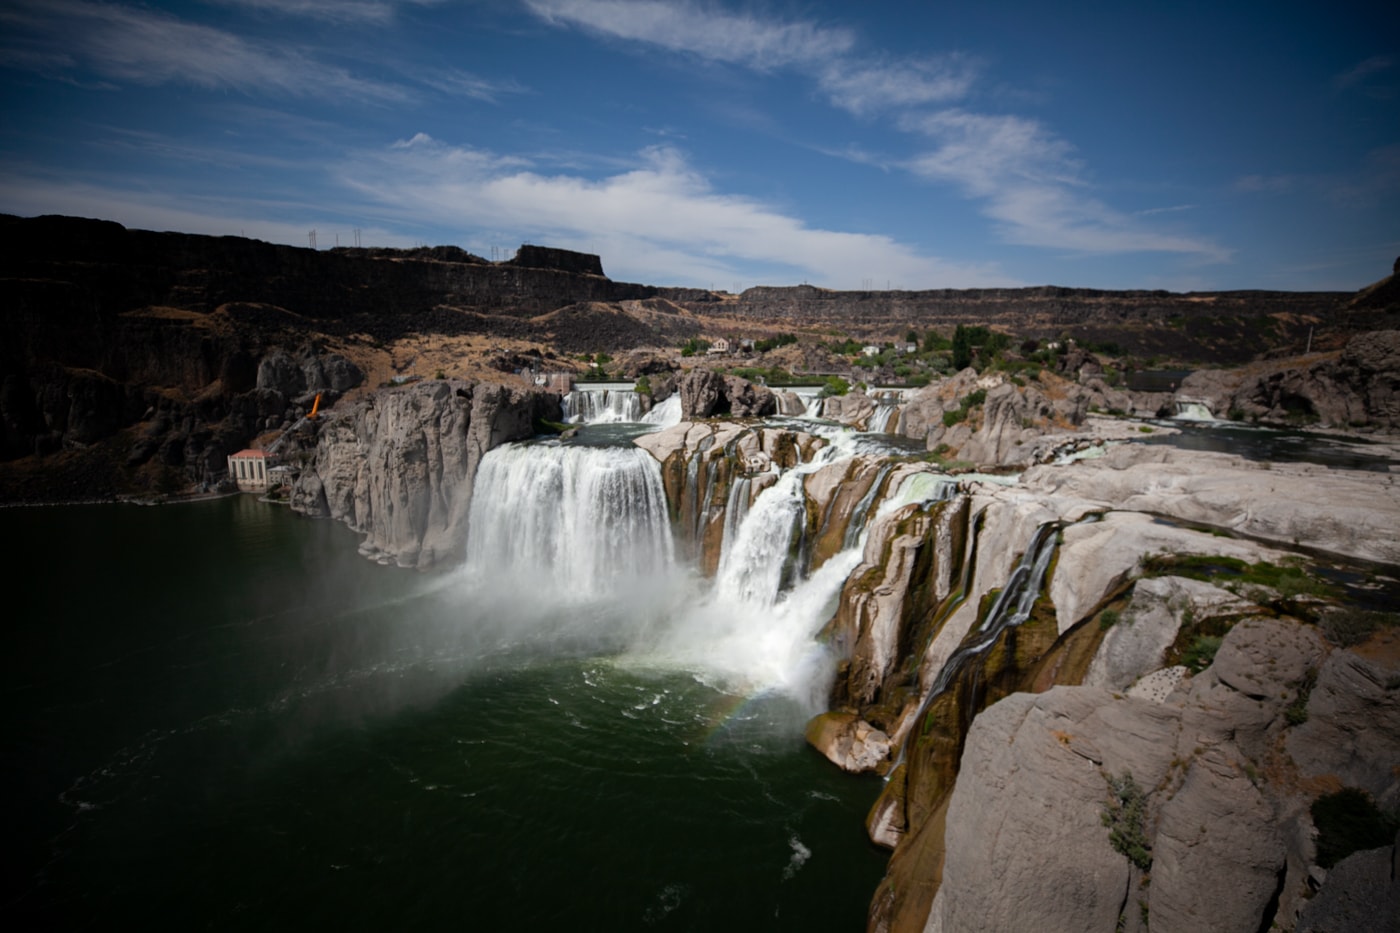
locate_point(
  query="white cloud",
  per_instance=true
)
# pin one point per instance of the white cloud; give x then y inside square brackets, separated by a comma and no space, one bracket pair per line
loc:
[153,208]
[707,32]
[145,47]
[660,221]
[1032,186]
[865,87]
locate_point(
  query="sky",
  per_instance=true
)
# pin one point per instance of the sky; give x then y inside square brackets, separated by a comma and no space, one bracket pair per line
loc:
[726,144]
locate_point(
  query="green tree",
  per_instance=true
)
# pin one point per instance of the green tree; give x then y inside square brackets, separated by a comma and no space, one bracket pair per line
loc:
[962,348]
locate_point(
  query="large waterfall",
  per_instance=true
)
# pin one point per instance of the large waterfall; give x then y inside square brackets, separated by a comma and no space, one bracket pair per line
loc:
[572,520]
[575,532]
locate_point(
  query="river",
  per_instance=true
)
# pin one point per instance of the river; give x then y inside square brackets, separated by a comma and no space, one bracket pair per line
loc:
[220,716]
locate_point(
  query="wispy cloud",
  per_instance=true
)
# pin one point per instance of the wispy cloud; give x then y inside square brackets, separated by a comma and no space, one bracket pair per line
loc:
[458,83]
[708,33]
[1173,209]
[337,11]
[1029,179]
[866,87]
[853,82]
[1031,185]
[634,215]
[1361,71]
[140,46]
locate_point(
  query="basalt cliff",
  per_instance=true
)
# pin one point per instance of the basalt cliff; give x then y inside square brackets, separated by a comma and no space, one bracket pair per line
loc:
[134,361]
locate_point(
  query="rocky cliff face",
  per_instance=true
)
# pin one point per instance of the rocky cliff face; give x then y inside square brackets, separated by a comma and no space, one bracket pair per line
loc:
[399,466]
[1356,387]
[1223,765]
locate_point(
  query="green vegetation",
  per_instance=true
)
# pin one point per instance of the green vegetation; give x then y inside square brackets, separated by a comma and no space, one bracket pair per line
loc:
[1201,652]
[962,348]
[969,402]
[834,385]
[1349,821]
[643,385]
[772,343]
[694,346]
[1289,580]
[1108,618]
[1125,815]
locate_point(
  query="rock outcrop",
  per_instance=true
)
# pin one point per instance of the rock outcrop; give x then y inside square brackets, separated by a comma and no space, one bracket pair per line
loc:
[1356,387]
[1226,833]
[706,394]
[399,466]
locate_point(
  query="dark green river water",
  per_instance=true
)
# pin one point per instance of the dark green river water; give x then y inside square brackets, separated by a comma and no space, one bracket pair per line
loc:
[218,715]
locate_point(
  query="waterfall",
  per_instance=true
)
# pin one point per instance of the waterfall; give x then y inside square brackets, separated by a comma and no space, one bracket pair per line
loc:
[576,519]
[1192,410]
[814,406]
[751,569]
[885,420]
[666,414]
[602,406]
[1012,607]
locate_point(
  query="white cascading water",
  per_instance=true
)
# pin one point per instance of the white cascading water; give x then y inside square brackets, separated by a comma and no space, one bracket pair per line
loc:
[1193,411]
[885,410]
[602,406]
[584,533]
[664,414]
[618,406]
[580,520]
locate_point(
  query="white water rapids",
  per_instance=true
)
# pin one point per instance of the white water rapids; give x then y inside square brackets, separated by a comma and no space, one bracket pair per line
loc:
[581,536]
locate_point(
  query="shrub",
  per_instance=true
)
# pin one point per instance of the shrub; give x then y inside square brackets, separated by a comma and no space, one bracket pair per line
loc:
[1125,815]
[1199,656]
[1108,618]
[834,385]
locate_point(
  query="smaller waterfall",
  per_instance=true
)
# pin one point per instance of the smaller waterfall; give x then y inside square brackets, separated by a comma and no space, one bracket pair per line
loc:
[665,414]
[602,406]
[814,406]
[1188,409]
[751,569]
[886,417]
[1012,607]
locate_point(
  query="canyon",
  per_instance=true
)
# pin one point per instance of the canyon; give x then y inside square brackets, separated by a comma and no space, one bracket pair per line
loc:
[1107,649]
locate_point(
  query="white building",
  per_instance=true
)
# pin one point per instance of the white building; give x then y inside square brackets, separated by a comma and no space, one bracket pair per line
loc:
[248,468]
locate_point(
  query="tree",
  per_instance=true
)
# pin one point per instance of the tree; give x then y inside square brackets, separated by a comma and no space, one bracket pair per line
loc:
[962,348]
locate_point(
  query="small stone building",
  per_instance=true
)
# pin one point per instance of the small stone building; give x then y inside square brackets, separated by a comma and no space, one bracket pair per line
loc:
[248,468]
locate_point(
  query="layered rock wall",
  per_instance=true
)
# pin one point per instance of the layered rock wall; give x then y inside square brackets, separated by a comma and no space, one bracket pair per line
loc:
[399,467]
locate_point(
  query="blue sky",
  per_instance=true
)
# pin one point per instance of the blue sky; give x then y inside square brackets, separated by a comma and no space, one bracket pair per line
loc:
[728,144]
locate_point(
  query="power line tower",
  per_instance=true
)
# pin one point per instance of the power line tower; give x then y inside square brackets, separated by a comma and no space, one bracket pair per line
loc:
[357,238]
[311,238]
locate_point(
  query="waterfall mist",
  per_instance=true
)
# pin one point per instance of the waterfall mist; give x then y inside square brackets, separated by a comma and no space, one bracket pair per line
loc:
[570,550]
